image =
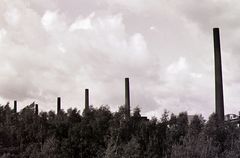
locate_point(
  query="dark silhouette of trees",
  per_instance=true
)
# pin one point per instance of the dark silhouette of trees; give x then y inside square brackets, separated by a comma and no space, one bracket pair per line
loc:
[100,133]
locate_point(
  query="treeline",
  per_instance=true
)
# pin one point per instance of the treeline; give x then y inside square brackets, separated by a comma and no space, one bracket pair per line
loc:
[99,133]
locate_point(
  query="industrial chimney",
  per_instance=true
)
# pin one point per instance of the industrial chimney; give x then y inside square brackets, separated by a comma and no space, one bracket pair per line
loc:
[219,101]
[36,109]
[127,98]
[86,99]
[15,106]
[58,105]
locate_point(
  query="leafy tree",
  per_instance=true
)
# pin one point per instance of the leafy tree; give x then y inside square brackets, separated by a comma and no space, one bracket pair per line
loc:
[100,133]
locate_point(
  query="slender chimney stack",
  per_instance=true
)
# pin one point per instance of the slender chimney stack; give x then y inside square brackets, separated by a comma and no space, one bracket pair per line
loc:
[86,99]
[127,98]
[36,109]
[219,101]
[15,106]
[58,104]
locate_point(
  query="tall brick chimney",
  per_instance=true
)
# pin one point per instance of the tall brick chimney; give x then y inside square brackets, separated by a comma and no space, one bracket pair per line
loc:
[15,106]
[58,105]
[86,99]
[219,100]
[36,109]
[127,98]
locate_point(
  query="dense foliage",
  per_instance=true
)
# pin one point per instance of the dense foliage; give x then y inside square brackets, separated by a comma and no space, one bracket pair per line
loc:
[99,133]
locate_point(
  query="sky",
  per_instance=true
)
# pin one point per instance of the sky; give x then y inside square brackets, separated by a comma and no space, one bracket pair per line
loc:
[59,48]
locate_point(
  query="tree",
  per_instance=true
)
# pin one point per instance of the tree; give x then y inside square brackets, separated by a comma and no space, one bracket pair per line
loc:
[195,126]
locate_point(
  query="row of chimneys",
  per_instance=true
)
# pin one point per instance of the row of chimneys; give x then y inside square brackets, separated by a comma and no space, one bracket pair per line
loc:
[219,101]
[127,101]
[15,107]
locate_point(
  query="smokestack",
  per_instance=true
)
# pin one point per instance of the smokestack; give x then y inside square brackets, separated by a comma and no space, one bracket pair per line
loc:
[36,109]
[15,106]
[58,104]
[219,101]
[86,99]
[127,98]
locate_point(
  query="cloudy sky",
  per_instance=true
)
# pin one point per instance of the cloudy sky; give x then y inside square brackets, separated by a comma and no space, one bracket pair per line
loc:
[59,48]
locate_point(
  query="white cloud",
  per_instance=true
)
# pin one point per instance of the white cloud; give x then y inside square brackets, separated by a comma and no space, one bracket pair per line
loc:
[177,67]
[196,75]
[49,19]
[84,24]
[3,33]
[53,21]
[61,48]
[153,28]
[138,44]
[58,48]
[12,16]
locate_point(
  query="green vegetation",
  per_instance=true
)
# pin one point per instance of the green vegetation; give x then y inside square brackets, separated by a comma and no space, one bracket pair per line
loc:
[99,133]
